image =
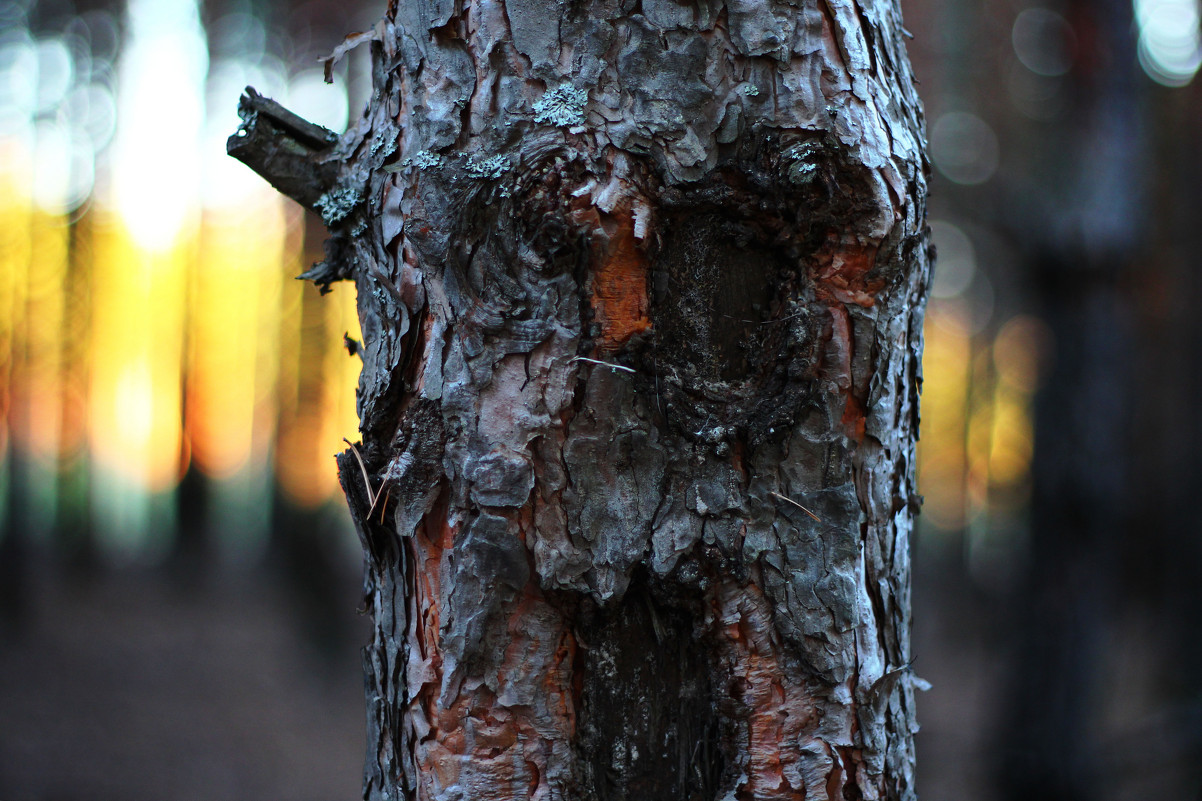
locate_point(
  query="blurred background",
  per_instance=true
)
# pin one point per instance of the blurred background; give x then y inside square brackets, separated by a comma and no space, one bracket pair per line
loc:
[178,577]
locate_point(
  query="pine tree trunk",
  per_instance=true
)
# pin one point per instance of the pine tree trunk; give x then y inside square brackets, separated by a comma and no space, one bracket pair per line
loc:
[641,293]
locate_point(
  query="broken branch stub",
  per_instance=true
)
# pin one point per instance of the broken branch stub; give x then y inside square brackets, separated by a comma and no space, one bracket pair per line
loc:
[290,152]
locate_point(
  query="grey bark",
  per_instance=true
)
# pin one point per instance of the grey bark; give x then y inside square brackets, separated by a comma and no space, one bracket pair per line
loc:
[641,292]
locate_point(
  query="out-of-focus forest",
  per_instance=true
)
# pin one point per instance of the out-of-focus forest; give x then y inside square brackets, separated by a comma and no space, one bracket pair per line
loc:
[178,577]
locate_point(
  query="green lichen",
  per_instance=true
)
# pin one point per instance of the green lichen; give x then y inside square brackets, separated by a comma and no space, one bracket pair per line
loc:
[422,159]
[492,168]
[562,106]
[801,162]
[383,145]
[335,205]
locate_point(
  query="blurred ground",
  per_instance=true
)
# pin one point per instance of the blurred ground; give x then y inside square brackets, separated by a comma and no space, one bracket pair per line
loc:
[124,687]
[958,653]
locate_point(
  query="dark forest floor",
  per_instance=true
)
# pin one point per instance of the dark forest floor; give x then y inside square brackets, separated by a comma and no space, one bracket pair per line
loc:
[125,687]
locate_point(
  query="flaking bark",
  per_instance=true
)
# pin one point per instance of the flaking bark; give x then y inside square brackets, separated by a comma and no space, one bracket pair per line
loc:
[641,291]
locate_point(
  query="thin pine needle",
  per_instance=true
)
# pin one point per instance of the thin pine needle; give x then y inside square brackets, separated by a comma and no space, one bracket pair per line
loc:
[603,364]
[383,506]
[798,505]
[371,494]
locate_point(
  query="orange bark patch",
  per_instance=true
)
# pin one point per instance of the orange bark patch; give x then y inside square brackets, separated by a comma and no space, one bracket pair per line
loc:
[840,269]
[500,731]
[779,713]
[620,303]
[417,372]
[854,420]
[837,362]
[558,683]
[433,539]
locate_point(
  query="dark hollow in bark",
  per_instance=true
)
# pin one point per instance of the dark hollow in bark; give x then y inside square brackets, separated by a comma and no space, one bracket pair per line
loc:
[649,723]
[718,285]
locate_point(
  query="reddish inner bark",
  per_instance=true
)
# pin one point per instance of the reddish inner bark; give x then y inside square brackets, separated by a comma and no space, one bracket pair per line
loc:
[619,298]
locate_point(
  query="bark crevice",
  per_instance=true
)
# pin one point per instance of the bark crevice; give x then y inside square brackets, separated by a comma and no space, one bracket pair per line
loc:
[649,725]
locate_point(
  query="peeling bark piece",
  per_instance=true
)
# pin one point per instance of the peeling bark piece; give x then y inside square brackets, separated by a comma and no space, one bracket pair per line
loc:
[762,28]
[349,43]
[610,502]
[535,27]
[501,479]
[414,472]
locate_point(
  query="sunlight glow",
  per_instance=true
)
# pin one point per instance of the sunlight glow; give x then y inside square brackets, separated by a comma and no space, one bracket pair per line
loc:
[942,458]
[320,102]
[63,168]
[156,170]
[137,343]
[55,71]
[234,307]
[227,182]
[18,93]
[149,322]
[133,401]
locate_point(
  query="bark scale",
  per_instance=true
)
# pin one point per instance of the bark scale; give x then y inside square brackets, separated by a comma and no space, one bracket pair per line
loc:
[641,290]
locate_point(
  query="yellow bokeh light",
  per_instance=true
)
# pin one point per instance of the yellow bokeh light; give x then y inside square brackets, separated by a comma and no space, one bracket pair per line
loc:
[233,310]
[318,380]
[15,263]
[147,328]
[137,340]
[133,405]
[942,469]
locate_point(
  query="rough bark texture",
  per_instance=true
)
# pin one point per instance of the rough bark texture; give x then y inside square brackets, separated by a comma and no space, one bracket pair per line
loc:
[637,283]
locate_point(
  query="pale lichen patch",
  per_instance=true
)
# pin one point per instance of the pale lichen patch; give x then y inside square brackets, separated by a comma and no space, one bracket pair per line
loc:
[562,106]
[423,160]
[492,167]
[335,205]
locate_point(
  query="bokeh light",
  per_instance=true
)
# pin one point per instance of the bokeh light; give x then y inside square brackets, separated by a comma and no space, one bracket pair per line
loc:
[956,265]
[156,169]
[149,323]
[1170,40]
[315,100]
[964,148]
[1043,41]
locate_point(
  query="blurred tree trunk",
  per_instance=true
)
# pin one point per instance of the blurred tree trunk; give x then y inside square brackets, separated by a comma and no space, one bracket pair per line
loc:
[1162,551]
[641,293]
[1083,226]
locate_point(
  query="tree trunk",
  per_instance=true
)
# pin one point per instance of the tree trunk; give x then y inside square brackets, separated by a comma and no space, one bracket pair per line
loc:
[641,292]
